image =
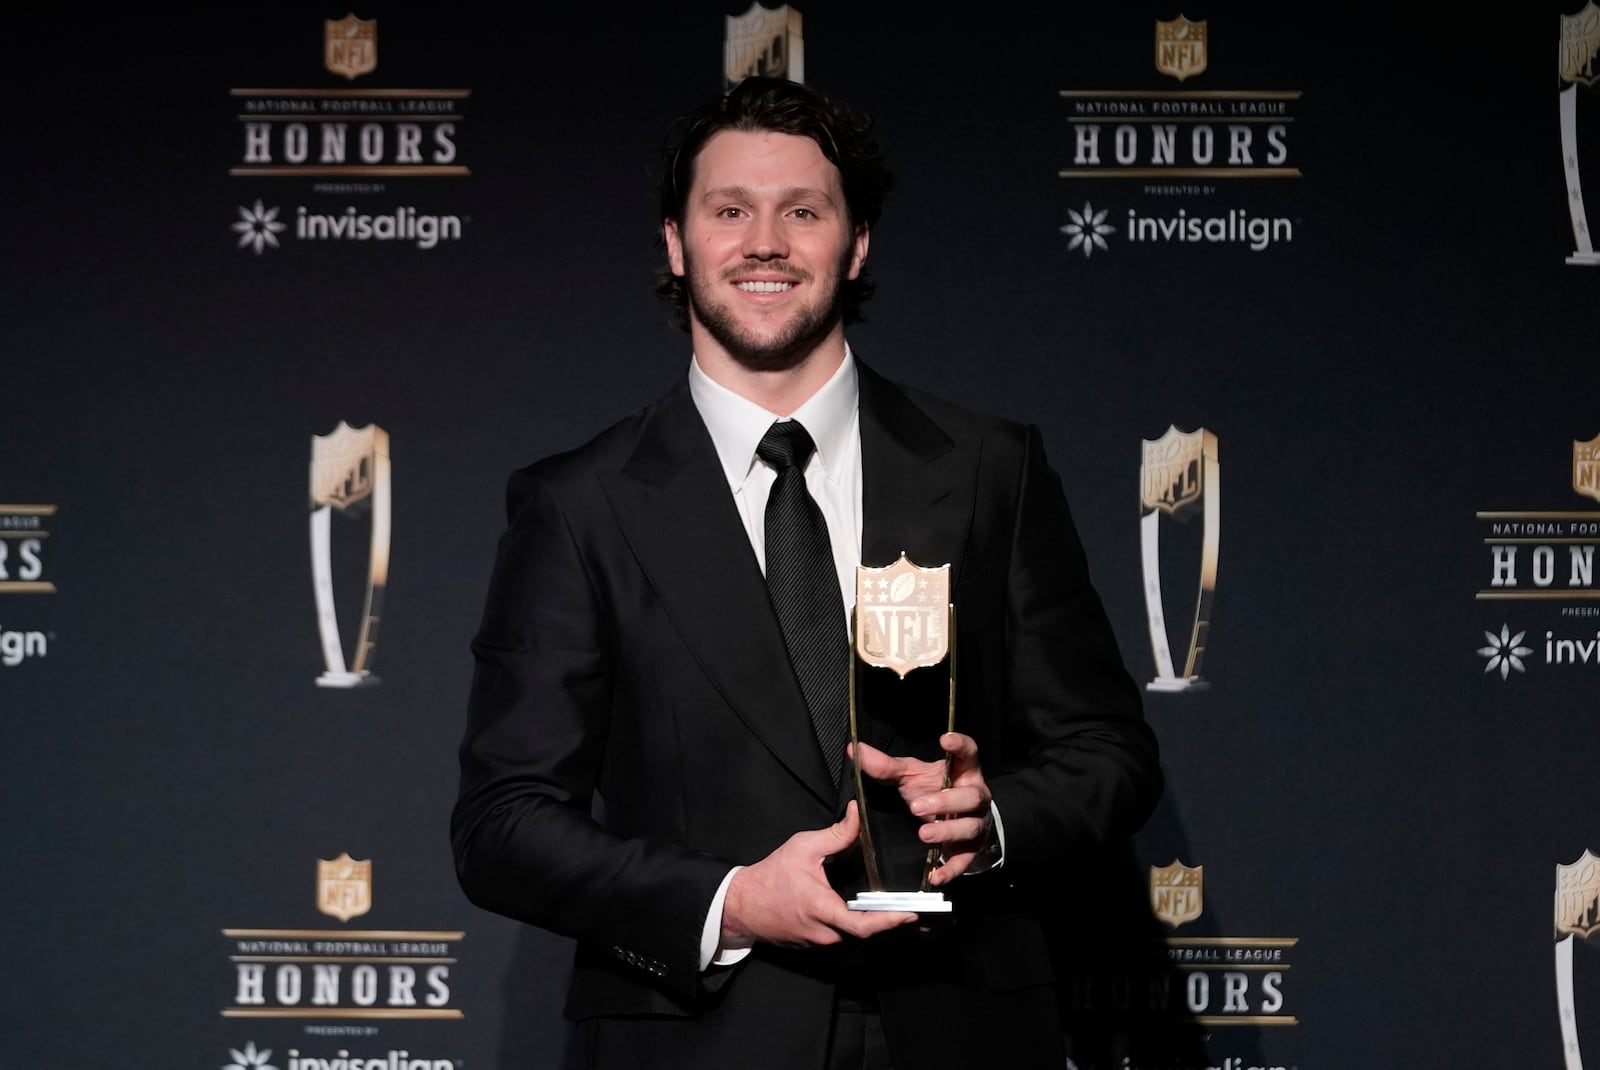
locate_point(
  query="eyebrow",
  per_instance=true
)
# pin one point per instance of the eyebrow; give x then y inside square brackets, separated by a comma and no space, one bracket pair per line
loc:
[793,193]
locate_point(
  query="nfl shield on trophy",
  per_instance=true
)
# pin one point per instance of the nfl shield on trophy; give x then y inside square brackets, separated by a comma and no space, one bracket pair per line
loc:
[1580,46]
[350,477]
[903,621]
[1178,481]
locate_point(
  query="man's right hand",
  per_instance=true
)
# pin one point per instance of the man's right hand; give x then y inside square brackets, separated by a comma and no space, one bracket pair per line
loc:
[785,898]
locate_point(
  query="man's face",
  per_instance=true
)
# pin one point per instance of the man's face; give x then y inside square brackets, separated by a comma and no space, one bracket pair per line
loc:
[764,246]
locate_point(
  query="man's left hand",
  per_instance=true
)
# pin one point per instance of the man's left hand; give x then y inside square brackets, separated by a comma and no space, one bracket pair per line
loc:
[958,819]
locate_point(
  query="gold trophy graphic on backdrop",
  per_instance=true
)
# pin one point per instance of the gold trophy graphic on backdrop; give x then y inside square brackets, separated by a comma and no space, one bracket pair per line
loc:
[1580,45]
[350,475]
[903,620]
[1178,474]
[1577,918]
[764,41]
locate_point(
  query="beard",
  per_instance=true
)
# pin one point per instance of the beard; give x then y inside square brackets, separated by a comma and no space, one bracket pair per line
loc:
[792,343]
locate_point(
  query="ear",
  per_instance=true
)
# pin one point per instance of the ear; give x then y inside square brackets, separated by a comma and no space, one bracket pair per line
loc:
[669,232]
[858,252]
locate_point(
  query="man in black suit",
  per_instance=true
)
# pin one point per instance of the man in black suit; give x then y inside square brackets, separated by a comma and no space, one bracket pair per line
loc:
[631,649]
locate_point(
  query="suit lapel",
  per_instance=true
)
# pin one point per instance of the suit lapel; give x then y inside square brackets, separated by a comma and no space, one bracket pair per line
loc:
[709,581]
[917,497]
[917,493]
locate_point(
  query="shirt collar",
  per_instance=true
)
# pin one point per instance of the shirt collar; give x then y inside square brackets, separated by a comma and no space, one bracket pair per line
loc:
[737,423]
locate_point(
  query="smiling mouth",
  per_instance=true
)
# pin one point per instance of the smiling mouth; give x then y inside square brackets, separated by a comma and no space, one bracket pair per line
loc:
[765,287]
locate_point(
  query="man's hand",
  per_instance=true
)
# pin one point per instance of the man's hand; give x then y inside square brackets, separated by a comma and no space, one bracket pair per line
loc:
[785,898]
[959,820]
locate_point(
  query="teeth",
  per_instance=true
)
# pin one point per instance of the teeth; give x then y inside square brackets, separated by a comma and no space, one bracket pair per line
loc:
[765,287]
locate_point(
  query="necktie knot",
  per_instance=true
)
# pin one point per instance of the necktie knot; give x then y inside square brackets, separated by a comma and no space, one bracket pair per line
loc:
[786,444]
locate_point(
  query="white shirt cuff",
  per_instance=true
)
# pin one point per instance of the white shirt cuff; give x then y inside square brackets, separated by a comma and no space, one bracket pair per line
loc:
[995,856]
[711,935]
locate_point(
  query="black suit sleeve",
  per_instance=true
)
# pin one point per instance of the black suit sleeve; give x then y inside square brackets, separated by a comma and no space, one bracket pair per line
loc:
[1091,773]
[526,844]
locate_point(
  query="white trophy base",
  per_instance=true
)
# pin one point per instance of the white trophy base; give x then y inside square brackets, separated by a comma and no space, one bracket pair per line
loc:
[1584,258]
[1176,683]
[915,902]
[346,679]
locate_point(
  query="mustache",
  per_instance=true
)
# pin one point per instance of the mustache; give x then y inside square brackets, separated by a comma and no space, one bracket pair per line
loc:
[765,267]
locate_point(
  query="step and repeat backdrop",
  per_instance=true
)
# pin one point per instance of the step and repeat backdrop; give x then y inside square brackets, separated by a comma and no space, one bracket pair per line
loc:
[1305,303]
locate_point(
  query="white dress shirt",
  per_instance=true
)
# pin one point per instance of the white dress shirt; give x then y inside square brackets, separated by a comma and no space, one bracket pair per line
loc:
[833,473]
[833,476]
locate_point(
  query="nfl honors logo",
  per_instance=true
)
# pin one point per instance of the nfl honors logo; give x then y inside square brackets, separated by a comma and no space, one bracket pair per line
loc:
[350,46]
[344,886]
[1181,47]
[1177,892]
[1586,467]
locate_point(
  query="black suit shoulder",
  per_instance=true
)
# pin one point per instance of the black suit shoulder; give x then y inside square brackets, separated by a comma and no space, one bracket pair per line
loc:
[961,421]
[573,474]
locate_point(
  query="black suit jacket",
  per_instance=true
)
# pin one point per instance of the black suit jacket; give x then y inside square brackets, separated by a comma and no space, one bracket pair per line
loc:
[628,648]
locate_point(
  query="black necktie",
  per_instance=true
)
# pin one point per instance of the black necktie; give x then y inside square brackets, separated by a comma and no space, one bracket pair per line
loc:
[805,588]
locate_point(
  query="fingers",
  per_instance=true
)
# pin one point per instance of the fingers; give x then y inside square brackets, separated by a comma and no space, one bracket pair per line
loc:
[955,831]
[963,751]
[864,923]
[820,843]
[876,764]
[834,920]
[951,869]
[950,802]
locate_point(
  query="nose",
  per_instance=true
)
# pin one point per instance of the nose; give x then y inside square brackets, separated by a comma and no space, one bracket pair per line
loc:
[765,238]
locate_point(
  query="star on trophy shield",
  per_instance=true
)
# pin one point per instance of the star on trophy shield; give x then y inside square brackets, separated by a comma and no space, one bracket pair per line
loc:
[903,621]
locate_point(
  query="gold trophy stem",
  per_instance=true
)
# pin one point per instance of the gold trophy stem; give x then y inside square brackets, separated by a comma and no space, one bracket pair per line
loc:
[874,882]
[931,862]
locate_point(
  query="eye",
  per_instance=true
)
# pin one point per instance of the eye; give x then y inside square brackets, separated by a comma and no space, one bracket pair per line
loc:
[730,212]
[804,213]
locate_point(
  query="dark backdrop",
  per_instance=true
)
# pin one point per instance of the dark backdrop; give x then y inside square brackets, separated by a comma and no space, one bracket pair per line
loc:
[1361,793]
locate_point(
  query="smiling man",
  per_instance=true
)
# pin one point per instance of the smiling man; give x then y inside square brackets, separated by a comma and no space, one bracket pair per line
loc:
[764,242]
[666,629]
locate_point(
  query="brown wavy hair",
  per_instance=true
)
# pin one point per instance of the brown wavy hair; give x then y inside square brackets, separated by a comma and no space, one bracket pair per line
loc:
[844,135]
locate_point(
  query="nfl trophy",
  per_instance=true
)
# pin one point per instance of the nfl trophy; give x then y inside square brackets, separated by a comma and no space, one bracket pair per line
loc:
[903,620]
[350,476]
[1179,476]
[1580,45]
[1577,918]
